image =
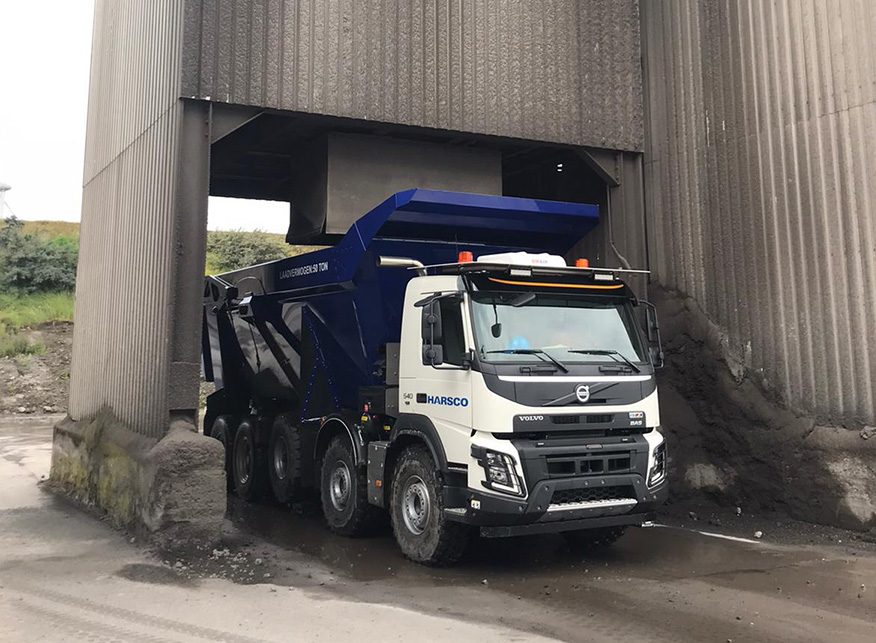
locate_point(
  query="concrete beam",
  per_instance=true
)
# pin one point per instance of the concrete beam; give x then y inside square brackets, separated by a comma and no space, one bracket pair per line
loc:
[225,119]
[608,164]
[344,175]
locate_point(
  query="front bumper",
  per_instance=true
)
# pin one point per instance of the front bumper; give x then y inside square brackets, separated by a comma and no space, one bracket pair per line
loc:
[498,516]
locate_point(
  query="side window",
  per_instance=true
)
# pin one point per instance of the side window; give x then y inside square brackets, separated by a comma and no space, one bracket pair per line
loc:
[454,337]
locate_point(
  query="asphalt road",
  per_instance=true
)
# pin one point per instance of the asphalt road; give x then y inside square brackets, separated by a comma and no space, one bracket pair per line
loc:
[65,575]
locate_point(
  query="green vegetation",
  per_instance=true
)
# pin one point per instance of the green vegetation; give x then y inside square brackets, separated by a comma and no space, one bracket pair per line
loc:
[29,310]
[232,250]
[13,344]
[37,273]
[26,310]
[238,249]
[30,263]
[52,229]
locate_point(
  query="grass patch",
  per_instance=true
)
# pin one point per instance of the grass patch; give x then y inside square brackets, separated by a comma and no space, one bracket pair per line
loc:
[23,311]
[13,345]
[52,229]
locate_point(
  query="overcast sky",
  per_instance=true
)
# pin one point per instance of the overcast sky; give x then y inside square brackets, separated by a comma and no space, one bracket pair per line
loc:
[45,54]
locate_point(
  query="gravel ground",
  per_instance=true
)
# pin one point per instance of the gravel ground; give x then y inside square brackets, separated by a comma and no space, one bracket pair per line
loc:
[34,384]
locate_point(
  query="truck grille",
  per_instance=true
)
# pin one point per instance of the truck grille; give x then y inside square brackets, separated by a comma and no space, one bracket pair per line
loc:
[602,418]
[592,494]
[574,434]
[589,464]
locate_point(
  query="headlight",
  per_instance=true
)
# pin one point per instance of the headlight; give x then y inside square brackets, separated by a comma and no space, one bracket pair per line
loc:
[500,471]
[658,469]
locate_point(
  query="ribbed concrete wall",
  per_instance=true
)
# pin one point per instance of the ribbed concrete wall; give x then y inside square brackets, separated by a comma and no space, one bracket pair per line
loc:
[761,173]
[554,70]
[122,337]
[135,74]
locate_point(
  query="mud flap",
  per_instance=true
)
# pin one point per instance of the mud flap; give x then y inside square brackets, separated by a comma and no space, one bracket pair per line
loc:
[376,470]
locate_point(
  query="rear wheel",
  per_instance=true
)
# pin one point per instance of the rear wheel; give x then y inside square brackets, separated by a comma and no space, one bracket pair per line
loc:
[344,491]
[223,430]
[248,463]
[421,530]
[284,459]
[593,539]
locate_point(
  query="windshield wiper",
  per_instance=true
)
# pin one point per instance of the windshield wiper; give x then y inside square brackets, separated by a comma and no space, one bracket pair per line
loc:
[608,352]
[532,351]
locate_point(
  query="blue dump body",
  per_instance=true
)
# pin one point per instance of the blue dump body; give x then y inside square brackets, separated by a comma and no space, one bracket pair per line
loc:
[309,333]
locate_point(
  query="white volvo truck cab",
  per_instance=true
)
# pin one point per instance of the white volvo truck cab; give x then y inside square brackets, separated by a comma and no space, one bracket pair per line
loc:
[534,385]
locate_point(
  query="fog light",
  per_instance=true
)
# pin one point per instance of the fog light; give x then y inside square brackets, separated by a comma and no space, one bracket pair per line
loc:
[658,469]
[499,476]
[500,472]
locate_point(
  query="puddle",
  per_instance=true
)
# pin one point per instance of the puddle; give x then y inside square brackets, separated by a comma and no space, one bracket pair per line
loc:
[154,574]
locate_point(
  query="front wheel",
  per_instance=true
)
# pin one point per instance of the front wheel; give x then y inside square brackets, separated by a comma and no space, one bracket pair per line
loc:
[593,539]
[421,530]
[344,491]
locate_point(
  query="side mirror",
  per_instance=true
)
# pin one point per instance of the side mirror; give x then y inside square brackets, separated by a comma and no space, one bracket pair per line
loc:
[655,347]
[433,351]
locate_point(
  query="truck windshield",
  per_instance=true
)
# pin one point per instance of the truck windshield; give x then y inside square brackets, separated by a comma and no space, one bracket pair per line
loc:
[513,327]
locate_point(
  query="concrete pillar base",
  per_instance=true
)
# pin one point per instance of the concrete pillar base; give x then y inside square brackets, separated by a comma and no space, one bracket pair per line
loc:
[172,490]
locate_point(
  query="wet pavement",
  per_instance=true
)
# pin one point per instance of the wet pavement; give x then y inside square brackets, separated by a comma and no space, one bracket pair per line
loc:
[67,576]
[658,583]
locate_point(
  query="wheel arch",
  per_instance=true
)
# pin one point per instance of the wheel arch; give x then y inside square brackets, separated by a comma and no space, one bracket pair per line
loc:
[231,423]
[220,403]
[339,425]
[410,429]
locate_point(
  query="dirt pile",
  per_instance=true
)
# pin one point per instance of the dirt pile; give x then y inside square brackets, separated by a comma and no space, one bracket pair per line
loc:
[732,441]
[34,384]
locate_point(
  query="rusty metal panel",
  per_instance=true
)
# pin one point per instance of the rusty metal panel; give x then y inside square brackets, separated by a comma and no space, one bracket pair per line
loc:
[566,71]
[761,179]
[128,239]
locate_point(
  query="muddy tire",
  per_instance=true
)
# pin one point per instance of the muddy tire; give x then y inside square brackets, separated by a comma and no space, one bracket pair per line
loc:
[223,430]
[593,539]
[417,510]
[248,464]
[284,459]
[344,491]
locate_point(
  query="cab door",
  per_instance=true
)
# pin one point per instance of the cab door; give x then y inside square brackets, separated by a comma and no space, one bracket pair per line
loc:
[435,380]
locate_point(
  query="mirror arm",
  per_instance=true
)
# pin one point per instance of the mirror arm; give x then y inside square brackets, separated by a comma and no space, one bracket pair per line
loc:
[654,333]
[432,329]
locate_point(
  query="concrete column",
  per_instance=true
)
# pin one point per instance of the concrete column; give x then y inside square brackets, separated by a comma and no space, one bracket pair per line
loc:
[190,246]
[133,449]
